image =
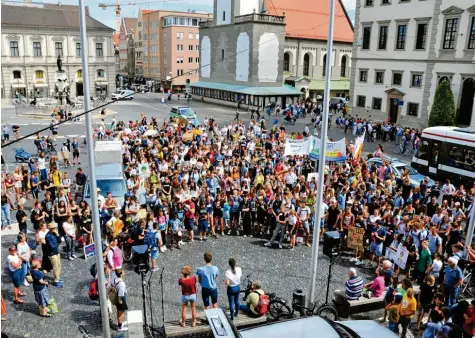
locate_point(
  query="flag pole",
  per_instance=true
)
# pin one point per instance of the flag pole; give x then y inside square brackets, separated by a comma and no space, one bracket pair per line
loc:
[321,161]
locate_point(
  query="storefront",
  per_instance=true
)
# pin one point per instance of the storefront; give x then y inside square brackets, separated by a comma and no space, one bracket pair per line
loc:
[101,88]
[18,89]
[40,90]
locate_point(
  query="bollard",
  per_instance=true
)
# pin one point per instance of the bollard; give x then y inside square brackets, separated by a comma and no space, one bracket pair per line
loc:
[298,301]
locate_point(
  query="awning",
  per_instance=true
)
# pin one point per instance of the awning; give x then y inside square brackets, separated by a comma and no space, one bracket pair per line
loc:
[39,85]
[259,91]
[18,85]
[101,83]
[335,85]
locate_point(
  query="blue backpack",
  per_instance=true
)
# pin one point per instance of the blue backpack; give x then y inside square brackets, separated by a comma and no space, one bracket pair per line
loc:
[151,240]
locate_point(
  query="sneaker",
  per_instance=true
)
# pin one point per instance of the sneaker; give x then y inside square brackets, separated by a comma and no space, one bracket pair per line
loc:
[229,232]
[291,248]
[244,236]
[308,244]
[71,258]
[358,262]
[162,250]
[74,256]
[153,270]
[237,233]
[280,246]
[181,243]
[267,244]
[124,323]
[353,259]
[25,283]
[123,328]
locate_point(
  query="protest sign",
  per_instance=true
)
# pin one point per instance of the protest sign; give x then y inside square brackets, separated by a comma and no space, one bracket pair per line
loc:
[401,257]
[336,151]
[144,169]
[391,254]
[355,237]
[298,147]
[89,251]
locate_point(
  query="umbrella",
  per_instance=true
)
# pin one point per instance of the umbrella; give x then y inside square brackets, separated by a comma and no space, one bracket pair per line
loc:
[151,132]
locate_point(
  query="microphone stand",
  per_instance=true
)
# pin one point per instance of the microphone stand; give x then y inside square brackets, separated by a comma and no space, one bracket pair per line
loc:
[163,304]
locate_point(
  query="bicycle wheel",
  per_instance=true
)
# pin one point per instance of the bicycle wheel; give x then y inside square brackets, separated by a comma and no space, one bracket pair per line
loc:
[278,309]
[328,312]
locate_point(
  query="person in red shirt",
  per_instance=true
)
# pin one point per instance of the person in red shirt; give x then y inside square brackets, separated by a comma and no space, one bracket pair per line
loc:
[469,324]
[188,295]
[189,218]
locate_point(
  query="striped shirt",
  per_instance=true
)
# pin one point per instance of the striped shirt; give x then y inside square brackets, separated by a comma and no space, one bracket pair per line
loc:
[354,288]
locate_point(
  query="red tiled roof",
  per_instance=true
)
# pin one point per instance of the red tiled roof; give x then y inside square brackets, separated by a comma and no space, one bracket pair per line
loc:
[147,11]
[308,19]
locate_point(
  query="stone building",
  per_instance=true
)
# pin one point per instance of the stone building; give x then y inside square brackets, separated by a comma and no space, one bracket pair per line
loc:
[33,35]
[404,49]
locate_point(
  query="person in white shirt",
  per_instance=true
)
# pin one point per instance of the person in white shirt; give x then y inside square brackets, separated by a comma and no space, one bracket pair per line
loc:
[100,198]
[448,190]
[233,281]
[291,178]
[70,236]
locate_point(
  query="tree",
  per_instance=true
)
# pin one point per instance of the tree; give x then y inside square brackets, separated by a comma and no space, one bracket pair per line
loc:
[443,108]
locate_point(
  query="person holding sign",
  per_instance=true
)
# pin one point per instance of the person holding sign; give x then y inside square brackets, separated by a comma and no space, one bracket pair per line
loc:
[378,236]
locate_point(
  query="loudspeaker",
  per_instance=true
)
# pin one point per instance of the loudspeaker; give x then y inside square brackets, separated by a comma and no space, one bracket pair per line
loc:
[331,243]
[140,258]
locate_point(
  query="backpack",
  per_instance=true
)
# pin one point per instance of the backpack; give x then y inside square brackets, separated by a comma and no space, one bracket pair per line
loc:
[151,240]
[113,294]
[262,304]
[93,292]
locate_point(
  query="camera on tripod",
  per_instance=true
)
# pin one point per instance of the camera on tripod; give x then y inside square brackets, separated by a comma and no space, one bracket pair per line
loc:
[141,259]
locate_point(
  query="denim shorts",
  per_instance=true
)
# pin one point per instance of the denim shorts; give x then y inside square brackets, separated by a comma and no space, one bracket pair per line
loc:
[188,299]
[376,248]
[209,293]
[154,253]
[203,225]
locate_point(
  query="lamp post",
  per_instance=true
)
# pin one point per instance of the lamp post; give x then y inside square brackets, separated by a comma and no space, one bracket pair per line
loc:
[92,175]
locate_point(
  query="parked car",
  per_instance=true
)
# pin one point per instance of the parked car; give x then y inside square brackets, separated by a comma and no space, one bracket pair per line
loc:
[186,113]
[123,94]
[398,167]
[144,88]
[309,326]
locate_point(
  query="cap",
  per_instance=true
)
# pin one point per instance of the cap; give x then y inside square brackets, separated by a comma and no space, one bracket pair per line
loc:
[52,225]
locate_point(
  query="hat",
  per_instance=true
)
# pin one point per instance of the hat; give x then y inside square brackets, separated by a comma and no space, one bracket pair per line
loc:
[98,189]
[52,225]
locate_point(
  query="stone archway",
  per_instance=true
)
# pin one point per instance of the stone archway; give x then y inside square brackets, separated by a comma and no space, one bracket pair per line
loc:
[464,116]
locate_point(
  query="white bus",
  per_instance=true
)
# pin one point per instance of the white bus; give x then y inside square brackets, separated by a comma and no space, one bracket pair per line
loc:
[447,153]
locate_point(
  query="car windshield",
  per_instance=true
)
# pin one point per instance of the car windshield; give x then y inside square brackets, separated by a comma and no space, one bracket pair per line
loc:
[186,112]
[118,92]
[402,168]
[116,187]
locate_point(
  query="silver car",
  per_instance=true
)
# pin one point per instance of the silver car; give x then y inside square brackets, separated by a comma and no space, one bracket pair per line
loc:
[311,327]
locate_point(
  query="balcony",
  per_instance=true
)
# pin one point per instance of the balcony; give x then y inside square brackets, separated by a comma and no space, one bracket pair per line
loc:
[206,24]
[264,18]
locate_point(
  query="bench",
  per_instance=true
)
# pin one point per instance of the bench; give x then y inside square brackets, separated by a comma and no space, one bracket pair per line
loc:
[202,329]
[364,304]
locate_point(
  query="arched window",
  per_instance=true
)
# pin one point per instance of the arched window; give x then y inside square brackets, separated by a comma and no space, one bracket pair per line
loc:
[16,74]
[39,74]
[324,70]
[306,64]
[343,66]
[100,73]
[286,62]
[444,78]
[79,74]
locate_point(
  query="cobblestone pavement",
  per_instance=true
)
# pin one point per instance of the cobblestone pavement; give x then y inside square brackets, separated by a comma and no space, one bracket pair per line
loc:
[281,272]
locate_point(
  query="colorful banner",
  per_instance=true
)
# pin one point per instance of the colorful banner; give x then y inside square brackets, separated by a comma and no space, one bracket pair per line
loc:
[298,147]
[336,151]
[355,238]
[359,142]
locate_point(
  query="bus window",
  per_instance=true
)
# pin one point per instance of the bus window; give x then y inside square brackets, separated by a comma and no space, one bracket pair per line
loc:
[461,157]
[423,149]
[434,154]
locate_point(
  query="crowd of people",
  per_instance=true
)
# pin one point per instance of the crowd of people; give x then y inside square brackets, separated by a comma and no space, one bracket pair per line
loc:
[233,179]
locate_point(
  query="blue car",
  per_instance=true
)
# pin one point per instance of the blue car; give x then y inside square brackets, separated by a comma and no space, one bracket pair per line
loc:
[398,167]
[21,155]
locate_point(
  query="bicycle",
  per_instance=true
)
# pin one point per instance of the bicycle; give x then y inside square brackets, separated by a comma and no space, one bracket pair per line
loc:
[468,284]
[278,308]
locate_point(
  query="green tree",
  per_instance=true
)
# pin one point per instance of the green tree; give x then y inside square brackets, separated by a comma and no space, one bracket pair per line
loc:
[443,108]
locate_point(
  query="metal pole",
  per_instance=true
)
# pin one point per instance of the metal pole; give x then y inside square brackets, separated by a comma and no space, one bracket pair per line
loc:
[92,175]
[471,226]
[321,162]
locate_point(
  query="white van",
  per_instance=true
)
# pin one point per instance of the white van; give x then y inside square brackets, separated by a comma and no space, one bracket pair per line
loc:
[123,94]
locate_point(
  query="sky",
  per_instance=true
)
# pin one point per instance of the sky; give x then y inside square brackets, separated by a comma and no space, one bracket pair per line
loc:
[130,8]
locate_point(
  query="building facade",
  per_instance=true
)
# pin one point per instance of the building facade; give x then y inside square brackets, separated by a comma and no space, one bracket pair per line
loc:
[127,33]
[306,45]
[404,49]
[167,46]
[242,52]
[33,35]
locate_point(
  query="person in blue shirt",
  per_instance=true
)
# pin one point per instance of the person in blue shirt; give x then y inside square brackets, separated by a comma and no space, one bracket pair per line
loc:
[235,203]
[175,225]
[53,242]
[453,280]
[207,276]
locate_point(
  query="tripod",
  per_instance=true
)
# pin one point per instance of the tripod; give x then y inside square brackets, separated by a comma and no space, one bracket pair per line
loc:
[149,329]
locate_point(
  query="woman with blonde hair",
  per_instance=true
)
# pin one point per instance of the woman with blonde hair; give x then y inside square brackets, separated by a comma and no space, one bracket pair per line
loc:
[188,295]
